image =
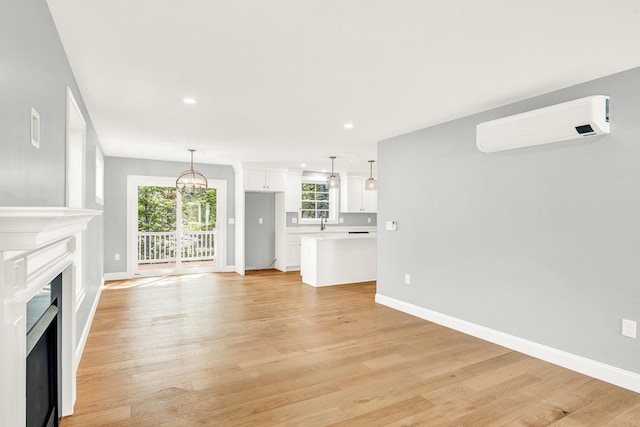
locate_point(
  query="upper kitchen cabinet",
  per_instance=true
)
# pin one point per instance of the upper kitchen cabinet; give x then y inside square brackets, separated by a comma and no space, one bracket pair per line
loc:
[261,180]
[293,193]
[353,196]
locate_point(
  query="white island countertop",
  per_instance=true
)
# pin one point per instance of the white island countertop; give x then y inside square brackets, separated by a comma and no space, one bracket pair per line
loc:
[337,258]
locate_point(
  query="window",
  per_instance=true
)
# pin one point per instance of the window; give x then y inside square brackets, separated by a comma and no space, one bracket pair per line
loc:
[318,200]
[315,200]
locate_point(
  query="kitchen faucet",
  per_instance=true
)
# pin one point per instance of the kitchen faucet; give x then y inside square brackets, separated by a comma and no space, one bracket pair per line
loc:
[323,223]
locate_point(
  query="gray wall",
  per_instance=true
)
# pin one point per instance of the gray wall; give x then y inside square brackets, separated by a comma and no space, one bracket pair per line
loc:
[35,73]
[540,242]
[260,239]
[115,200]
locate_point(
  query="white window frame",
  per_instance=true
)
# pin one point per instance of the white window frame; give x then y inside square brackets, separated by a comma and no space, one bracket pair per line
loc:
[99,177]
[334,200]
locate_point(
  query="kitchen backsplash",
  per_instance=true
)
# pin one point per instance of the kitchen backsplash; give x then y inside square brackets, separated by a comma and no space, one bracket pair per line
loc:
[349,220]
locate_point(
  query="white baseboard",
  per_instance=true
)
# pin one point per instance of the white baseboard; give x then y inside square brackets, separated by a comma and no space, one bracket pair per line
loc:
[611,374]
[229,269]
[117,276]
[87,326]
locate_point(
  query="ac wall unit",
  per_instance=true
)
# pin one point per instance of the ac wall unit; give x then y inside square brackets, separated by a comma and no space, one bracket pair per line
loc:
[569,120]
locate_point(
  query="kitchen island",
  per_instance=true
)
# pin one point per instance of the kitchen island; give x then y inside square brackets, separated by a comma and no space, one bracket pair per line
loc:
[328,259]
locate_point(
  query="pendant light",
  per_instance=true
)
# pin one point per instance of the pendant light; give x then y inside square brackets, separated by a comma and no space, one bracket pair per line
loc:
[191,182]
[332,181]
[371,184]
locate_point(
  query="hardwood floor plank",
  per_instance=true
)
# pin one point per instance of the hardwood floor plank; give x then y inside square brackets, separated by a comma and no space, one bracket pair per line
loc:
[265,349]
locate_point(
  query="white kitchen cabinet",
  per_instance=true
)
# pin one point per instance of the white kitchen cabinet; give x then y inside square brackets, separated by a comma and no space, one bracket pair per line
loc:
[261,180]
[353,196]
[293,252]
[337,258]
[293,193]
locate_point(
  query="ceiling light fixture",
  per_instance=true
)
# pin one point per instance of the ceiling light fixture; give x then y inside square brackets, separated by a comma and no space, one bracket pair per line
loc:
[191,182]
[348,125]
[371,184]
[333,179]
[189,101]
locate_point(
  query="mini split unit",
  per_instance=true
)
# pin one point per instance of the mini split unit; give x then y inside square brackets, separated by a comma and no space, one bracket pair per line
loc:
[569,120]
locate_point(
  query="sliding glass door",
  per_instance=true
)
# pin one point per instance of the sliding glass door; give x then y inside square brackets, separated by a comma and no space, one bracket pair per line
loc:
[175,233]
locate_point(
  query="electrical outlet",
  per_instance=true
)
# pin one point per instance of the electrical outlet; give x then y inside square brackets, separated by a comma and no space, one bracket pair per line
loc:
[629,328]
[369,220]
[232,221]
[407,279]
[116,257]
[294,220]
[260,221]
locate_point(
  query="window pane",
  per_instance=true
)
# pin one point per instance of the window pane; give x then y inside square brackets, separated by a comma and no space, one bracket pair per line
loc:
[308,196]
[309,205]
[308,187]
[323,214]
[323,188]
[308,214]
[323,205]
[323,196]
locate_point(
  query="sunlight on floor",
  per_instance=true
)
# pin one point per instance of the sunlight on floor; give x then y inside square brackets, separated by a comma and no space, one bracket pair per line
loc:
[146,282]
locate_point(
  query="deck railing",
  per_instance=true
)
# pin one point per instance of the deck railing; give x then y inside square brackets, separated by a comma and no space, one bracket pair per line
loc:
[160,247]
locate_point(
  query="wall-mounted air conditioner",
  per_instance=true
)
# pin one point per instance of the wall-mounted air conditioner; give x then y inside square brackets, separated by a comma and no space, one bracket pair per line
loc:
[569,120]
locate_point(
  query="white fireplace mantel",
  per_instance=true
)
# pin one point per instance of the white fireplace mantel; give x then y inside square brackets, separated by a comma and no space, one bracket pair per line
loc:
[23,228]
[36,244]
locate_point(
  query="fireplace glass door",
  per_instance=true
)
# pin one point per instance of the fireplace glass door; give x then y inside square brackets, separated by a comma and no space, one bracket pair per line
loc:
[43,352]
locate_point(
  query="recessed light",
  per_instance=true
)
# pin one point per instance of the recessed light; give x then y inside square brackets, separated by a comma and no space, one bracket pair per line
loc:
[189,101]
[303,165]
[348,125]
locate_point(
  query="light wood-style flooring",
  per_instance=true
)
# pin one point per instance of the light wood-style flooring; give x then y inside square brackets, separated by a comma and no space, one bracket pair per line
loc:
[267,350]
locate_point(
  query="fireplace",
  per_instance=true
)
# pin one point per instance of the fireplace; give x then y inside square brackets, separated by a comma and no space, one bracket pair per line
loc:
[44,323]
[38,266]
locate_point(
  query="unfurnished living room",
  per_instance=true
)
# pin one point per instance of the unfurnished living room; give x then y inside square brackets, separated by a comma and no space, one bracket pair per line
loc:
[319,213]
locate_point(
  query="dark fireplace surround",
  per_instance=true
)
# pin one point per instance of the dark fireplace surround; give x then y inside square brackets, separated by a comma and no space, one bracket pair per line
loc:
[40,249]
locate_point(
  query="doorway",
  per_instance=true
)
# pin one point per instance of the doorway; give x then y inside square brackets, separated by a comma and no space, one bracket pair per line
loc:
[171,233]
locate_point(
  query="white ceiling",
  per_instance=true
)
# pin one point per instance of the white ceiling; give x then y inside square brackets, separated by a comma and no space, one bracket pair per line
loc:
[275,80]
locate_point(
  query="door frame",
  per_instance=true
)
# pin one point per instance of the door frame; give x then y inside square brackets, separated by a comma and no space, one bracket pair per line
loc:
[133,182]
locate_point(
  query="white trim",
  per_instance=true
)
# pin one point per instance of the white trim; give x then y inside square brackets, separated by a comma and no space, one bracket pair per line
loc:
[620,377]
[239,219]
[123,275]
[99,181]
[87,327]
[75,168]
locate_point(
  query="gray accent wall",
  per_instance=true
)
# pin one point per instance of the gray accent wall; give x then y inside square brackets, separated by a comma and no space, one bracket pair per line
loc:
[260,239]
[541,243]
[117,169]
[35,73]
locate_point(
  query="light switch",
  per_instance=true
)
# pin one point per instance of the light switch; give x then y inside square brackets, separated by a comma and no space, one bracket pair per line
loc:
[232,221]
[391,225]
[260,221]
